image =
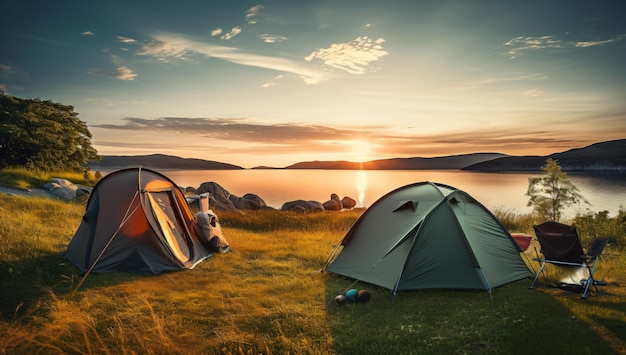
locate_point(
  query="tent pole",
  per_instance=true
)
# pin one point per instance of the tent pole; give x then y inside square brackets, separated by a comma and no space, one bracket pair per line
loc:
[482,272]
[173,197]
[417,232]
[332,256]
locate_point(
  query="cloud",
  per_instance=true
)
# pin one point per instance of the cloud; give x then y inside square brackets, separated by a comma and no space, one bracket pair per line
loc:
[122,72]
[126,39]
[252,13]
[272,83]
[235,129]
[533,92]
[268,38]
[6,71]
[11,72]
[168,47]
[44,40]
[354,57]
[244,136]
[165,50]
[108,102]
[228,36]
[512,76]
[216,32]
[87,33]
[586,44]
[520,45]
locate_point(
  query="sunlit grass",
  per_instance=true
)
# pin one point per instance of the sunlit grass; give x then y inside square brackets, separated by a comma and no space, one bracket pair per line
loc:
[268,296]
[28,179]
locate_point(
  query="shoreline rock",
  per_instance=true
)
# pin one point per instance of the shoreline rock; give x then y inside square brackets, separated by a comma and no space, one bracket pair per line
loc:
[219,198]
[222,200]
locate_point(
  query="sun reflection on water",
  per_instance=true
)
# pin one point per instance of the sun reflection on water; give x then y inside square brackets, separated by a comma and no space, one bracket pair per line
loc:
[361,186]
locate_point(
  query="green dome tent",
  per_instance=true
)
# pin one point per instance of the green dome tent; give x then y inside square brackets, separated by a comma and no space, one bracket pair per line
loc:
[428,235]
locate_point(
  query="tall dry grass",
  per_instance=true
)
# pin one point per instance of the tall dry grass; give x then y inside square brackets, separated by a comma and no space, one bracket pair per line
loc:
[268,296]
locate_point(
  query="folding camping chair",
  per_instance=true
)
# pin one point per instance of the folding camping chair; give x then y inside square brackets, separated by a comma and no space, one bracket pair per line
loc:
[561,246]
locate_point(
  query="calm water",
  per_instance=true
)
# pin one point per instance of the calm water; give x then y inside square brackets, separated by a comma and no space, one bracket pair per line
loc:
[506,190]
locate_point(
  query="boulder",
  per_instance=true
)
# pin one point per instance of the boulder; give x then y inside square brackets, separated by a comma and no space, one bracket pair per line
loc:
[335,204]
[83,191]
[62,188]
[332,205]
[219,197]
[348,202]
[248,202]
[302,206]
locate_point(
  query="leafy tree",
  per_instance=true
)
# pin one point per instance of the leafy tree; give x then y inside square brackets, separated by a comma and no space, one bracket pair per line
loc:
[43,135]
[551,193]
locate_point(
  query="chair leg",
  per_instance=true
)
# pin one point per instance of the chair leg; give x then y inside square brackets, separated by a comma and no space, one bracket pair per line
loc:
[590,279]
[543,264]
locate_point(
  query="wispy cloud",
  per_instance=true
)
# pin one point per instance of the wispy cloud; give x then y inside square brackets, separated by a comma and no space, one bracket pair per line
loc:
[12,74]
[228,36]
[268,38]
[109,102]
[216,32]
[6,71]
[533,92]
[520,45]
[235,129]
[126,39]
[43,40]
[354,57]
[512,76]
[122,72]
[252,13]
[168,47]
[87,33]
[242,135]
[584,44]
[272,83]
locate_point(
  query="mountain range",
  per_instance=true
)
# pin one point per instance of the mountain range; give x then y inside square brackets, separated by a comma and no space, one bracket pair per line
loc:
[158,161]
[602,156]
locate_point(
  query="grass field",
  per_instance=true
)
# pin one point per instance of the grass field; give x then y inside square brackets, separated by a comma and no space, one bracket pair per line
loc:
[268,296]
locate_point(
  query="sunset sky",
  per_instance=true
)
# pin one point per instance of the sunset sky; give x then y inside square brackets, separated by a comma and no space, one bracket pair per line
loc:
[278,82]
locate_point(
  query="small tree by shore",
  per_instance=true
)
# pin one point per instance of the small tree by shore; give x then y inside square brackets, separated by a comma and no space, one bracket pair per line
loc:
[551,193]
[43,136]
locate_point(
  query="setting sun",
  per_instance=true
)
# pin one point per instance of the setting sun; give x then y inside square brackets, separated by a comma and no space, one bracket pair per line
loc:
[361,151]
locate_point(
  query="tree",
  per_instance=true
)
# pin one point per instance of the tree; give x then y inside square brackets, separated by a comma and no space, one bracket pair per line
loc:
[43,135]
[550,194]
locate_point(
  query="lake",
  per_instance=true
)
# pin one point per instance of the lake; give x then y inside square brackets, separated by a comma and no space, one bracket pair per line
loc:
[493,190]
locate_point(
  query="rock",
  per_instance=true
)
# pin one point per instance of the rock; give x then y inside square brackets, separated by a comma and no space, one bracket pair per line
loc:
[62,188]
[219,197]
[302,206]
[335,204]
[332,205]
[248,202]
[348,202]
[83,191]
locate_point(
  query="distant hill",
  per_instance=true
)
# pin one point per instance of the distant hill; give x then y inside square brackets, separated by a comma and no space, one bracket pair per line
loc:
[603,156]
[158,161]
[437,163]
